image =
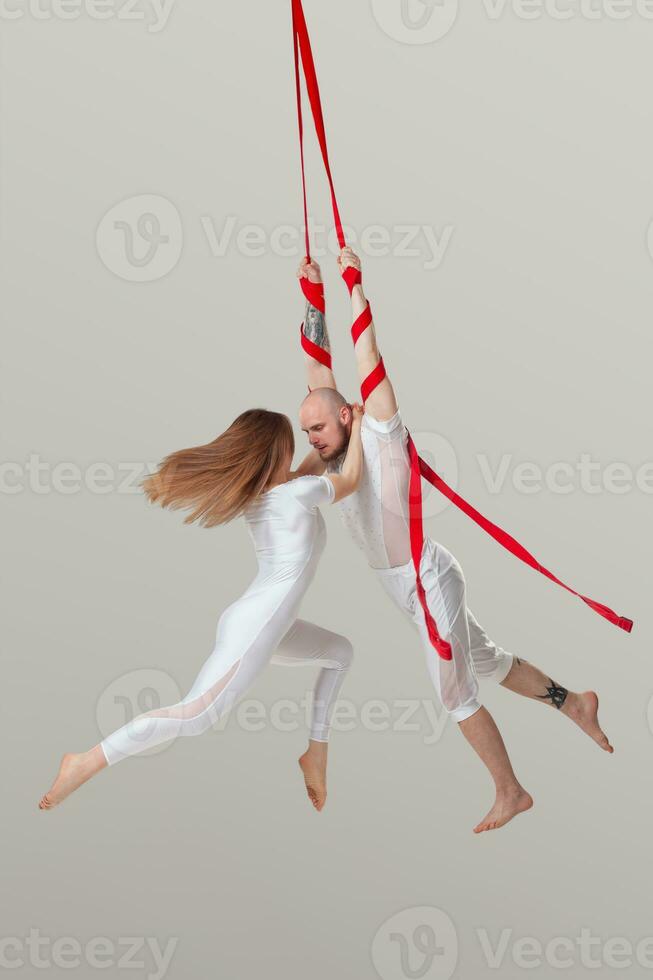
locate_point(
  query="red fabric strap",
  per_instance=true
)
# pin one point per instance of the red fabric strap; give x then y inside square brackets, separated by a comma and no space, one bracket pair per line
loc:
[514,547]
[302,46]
[416,547]
[373,380]
[361,324]
[314,293]
[352,277]
[319,353]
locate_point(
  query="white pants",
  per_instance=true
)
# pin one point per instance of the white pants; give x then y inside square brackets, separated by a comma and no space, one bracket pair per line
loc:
[474,655]
[228,673]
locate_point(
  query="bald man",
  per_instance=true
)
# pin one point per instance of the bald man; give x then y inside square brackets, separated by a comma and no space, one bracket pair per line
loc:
[377,518]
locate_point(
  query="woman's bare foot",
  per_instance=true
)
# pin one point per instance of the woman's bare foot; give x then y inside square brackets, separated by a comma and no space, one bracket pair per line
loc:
[75,769]
[313,764]
[584,710]
[508,804]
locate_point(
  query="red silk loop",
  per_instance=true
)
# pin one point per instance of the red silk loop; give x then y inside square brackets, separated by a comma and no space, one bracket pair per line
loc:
[352,277]
[373,380]
[315,351]
[314,293]
[361,323]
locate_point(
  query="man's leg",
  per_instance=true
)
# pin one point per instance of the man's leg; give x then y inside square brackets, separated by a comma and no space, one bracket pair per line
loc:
[482,733]
[492,662]
[457,683]
[583,709]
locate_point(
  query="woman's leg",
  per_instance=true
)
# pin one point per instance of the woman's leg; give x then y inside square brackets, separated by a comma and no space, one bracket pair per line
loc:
[308,645]
[223,679]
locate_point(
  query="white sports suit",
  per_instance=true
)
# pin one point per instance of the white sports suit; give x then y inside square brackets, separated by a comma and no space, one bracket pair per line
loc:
[377,518]
[261,627]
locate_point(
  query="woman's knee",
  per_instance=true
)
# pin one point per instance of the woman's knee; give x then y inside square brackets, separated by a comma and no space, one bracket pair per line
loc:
[343,651]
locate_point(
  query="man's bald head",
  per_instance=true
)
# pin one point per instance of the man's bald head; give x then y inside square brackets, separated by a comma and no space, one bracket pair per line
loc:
[326,417]
[330,399]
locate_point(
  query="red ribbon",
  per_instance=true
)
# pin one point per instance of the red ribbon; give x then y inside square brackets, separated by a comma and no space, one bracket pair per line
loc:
[315,295]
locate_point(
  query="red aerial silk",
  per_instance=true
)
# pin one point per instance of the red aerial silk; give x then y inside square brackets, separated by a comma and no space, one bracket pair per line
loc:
[315,295]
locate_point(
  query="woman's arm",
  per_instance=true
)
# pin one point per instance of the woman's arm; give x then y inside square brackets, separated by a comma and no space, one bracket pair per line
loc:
[311,465]
[348,480]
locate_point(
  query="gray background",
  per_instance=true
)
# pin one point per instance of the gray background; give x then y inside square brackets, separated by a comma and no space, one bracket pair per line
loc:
[531,140]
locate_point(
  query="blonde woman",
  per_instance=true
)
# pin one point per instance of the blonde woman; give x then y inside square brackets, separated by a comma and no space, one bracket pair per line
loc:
[246,471]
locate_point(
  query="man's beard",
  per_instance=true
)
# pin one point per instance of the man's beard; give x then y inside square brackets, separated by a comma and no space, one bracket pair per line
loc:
[344,445]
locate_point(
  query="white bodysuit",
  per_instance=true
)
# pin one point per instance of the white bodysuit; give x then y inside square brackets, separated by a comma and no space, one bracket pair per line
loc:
[289,535]
[377,518]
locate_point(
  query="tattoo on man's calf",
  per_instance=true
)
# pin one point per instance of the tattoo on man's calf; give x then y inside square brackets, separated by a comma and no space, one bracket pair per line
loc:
[555,694]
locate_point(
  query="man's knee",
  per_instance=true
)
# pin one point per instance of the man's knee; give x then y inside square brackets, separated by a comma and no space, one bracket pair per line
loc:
[461,712]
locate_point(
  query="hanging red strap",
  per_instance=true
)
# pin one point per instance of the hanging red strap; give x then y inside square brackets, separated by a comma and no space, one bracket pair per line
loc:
[302,46]
[514,547]
[418,468]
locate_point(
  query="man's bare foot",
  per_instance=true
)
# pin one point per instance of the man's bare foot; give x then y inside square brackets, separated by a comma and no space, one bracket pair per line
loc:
[507,806]
[584,710]
[313,764]
[75,769]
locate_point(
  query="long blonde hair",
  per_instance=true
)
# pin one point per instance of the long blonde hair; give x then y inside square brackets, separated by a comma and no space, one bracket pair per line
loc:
[218,480]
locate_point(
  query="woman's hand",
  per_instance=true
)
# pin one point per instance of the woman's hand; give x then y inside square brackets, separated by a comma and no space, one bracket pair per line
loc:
[349,478]
[309,269]
[357,413]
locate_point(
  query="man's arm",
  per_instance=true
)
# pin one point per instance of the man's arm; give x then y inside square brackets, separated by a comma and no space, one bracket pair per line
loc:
[314,329]
[382,403]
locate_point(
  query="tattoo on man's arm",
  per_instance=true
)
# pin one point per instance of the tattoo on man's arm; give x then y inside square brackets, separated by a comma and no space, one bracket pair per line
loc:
[555,694]
[315,327]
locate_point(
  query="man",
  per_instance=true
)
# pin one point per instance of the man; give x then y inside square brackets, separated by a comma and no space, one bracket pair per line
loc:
[378,520]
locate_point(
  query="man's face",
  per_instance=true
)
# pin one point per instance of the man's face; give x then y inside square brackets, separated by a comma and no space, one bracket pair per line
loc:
[327,430]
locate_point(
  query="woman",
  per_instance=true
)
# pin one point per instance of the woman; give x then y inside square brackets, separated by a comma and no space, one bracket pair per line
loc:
[246,470]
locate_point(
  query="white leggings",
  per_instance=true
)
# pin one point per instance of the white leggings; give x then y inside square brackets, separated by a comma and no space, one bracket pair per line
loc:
[474,654]
[223,680]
